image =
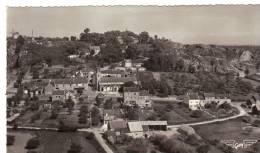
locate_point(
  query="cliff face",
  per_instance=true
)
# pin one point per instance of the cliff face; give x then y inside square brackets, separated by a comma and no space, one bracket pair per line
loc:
[222,59]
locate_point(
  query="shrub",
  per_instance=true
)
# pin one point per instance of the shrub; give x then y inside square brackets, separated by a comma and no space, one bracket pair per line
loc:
[256,123]
[10,140]
[225,148]
[54,115]
[75,148]
[196,114]
[89,135]
[203,149]
[225,106]
[66,128]
[247,119]
[32,143]
[192,140]
[30,151]
[35,117]
[82,119]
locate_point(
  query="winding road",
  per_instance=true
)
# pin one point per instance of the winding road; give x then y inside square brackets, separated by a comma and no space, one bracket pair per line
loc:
[242,112]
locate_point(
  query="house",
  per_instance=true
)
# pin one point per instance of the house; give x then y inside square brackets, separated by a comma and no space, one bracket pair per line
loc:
[195,101]
[128,63]
[45,97]
[112,85]
[47,105]
[112,73]
[133,96]
[58,95]
[118,125]
[217,98]
[48,89]
[144,126]
[71,83]
[73,56]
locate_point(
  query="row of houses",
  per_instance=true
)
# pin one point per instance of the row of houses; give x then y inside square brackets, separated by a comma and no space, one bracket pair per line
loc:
[55,89]
[198,101]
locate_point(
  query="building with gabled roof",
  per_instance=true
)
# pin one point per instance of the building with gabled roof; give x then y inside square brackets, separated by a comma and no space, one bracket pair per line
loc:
[134,96]
[71,83]
[111,85]
[118,125]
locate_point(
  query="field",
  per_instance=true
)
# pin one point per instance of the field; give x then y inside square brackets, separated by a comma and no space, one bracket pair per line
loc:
[229,130]
[176,113]
[45,121]
[20,141]
[50,142]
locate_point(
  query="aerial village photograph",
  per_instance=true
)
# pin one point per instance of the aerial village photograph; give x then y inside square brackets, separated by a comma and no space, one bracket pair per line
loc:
[133,79]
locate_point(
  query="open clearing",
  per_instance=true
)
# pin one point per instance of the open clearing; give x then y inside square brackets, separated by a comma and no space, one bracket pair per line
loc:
[50,142]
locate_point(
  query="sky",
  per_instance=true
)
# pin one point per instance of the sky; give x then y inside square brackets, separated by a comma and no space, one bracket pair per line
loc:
[224,25]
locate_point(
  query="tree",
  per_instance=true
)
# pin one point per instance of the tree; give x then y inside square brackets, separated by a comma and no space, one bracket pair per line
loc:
[203,149]
[144,37]
[180,65]
[19,43]
[75,148]
[127,84]
[32,143]
[86,30]
[95,116]
[225,106]
[192,69]
[69,103]
[247,71]
[132,113]
[99,99]
[35,74]
[65,38]
[132,52]
[138,146]
[73,38]
[258,89]
[108,104]
[10,140]
[196,114]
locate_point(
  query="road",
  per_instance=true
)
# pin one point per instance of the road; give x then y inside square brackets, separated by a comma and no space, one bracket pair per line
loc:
[242,112]
[98,136]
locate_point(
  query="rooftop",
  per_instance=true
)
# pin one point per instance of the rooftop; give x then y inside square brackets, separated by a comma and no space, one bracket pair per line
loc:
[117,79]
[109,71]
[131,89]
[135,126]
[118,124]
[58,92]
[194,96]
[76,80]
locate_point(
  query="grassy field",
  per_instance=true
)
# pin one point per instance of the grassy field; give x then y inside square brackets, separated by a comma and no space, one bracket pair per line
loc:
[46,121]
[50,142]
[21,139]
[228,130]
[175,113]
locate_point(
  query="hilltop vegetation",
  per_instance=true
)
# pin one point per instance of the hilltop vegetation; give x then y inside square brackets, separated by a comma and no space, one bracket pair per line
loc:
[206,67]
